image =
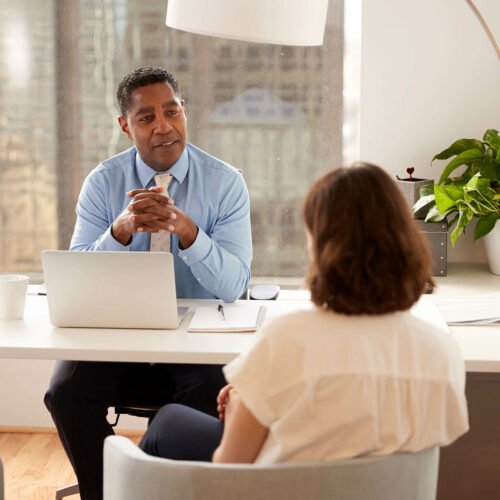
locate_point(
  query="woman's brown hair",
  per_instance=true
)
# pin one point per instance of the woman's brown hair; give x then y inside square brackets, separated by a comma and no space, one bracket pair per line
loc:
[367,254]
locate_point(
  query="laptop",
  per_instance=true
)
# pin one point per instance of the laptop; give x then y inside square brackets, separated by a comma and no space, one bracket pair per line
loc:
[111,289]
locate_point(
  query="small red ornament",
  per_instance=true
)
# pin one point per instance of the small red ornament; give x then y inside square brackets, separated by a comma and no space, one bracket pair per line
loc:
[410,171]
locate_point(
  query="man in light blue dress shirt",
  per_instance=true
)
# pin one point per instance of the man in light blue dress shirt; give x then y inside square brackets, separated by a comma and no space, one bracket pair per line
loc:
[208,217]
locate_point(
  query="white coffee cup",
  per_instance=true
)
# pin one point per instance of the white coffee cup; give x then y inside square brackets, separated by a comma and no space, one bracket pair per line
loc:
[12,295]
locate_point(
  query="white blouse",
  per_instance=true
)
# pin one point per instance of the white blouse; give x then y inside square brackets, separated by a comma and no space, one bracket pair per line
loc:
[330,386]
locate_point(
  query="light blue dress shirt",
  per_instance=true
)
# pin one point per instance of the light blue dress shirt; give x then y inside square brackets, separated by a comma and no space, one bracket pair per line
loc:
[210,191]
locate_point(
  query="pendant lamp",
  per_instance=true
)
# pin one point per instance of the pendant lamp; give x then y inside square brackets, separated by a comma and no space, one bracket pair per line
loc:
[283,22]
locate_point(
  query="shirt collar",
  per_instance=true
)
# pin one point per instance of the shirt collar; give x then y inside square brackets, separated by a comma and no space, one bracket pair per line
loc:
[178,169]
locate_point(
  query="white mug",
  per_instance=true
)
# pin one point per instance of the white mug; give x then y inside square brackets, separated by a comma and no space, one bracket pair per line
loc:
[12,295]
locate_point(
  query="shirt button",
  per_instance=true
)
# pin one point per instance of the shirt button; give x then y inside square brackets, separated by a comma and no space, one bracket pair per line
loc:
[199,279]
[185,257]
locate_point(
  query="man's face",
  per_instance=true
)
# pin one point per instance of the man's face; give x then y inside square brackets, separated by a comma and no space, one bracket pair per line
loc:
[156,122]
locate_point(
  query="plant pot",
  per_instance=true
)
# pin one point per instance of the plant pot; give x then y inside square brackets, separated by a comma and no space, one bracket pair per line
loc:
[492,247]
[411,193]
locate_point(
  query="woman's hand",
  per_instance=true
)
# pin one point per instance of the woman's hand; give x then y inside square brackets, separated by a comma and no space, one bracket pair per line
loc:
[223,399]
[243,435]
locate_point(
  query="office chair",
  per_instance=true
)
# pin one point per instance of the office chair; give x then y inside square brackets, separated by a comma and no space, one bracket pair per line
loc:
[139,409]
[146,411]
[129,473]
[1,480]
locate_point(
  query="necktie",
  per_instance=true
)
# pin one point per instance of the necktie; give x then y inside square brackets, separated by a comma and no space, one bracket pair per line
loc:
[160,242]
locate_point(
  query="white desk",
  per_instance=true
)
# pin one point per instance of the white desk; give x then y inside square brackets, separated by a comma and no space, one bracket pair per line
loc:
[480,344]
[35,338]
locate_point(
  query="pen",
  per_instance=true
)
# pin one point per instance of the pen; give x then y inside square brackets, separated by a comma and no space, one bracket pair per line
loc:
[221,310]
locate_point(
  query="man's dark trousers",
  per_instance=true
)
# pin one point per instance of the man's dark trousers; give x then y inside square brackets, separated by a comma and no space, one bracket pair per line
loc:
[81,392]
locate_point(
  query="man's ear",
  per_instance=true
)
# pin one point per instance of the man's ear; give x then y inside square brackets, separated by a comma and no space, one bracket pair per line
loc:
[183,108]
[124,126]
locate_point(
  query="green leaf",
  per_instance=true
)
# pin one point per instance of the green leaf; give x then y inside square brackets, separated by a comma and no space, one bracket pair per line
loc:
[453,221]
[496,166]
[473,182]
[492,138]
[434,215]
[482,186]
[485,225]
[464,217]
[423,201]
[459,181]
[458,147]
[427,189]
[469,172]
[453,191]
[464,158]
[443,201]
[486,166]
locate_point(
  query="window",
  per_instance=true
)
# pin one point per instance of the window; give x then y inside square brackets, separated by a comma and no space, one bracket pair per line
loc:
[281,114]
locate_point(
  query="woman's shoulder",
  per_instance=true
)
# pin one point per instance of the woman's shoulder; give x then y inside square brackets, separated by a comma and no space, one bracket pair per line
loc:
[298,322]
[426,330]
[401,326]
[431,340]
[300,315]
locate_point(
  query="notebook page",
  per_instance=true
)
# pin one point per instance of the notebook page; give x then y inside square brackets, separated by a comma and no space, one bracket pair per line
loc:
[471,309]
[238,318]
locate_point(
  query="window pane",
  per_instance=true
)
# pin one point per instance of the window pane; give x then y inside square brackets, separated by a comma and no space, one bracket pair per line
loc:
[27,134]
[275,112]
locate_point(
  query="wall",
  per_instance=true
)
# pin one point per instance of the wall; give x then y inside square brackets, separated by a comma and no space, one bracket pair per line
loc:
[429,76]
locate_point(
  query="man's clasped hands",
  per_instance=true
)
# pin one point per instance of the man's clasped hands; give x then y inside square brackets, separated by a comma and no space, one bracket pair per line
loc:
[151,211]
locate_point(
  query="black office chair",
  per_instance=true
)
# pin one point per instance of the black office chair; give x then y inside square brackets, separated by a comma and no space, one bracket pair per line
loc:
[148,412]
[136,410]
[135,401]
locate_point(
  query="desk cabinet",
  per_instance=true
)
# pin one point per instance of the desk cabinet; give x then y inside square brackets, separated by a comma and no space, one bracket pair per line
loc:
[436,233]
[469,469]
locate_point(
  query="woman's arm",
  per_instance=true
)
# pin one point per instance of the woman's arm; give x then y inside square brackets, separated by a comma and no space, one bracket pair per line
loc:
[243,435]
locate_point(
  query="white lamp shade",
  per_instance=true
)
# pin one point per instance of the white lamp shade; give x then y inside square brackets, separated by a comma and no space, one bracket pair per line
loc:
[284,22]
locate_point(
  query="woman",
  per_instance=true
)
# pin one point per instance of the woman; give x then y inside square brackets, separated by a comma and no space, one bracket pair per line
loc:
[357,375]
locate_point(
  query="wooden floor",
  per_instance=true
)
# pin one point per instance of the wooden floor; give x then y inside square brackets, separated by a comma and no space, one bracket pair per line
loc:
[35,465]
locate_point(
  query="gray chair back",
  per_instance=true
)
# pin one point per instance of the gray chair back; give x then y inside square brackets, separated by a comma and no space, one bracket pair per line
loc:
[129,473]
[1,480]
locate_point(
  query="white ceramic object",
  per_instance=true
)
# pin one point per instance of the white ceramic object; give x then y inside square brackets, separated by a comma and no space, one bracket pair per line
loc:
[492,247]
[12,296]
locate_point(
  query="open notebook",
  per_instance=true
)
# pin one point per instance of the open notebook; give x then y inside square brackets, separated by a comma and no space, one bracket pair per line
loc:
[239,317]
[476,309]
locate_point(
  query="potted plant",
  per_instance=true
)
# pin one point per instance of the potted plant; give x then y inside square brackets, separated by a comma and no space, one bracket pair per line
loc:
[410,187]
[475,193]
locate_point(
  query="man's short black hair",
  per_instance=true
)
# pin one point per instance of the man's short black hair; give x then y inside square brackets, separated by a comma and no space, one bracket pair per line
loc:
[147,75]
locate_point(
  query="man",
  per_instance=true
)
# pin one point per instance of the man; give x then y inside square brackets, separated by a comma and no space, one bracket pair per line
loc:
[206,213]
